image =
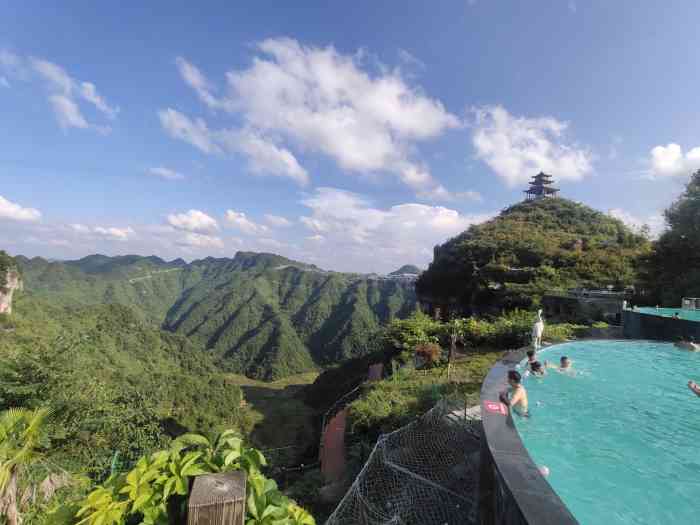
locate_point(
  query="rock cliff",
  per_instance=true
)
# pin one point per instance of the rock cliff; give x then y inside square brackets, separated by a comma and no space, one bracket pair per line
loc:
[13,282]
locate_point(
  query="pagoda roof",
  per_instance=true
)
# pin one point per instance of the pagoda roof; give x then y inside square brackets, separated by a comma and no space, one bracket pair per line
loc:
[541,189]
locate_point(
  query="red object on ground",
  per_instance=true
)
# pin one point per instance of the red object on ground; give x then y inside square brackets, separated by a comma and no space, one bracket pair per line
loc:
[375,372]
[496,407]
[333,452]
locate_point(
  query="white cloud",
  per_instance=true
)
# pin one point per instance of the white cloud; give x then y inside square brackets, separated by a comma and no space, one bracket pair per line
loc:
[195,132]
[89,93]
[80,228]
[516,148]
[266,158]
[470,195]
[65,92]
[67,112]
[103,232]
[239,221]
[277,221]
[655,221]
[355,232]
[272,243]
[15,212]
[116,234]
[200,240]
[319,100]
[165,173]
[193,221]
[669,161]
[197,81]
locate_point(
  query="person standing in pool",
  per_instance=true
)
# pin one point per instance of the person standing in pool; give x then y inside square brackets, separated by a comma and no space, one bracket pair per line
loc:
[530,357]
[516,397]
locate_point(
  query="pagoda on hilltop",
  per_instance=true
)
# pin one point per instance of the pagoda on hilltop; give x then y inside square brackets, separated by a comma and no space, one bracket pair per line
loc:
[540,187]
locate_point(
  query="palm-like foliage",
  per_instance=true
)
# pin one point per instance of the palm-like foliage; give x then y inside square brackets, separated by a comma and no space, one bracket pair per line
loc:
[21,436]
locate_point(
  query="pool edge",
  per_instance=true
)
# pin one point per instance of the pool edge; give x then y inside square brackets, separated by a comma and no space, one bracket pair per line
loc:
[511,488]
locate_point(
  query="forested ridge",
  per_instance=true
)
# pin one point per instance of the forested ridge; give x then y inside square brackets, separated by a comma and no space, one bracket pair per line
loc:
[259,314]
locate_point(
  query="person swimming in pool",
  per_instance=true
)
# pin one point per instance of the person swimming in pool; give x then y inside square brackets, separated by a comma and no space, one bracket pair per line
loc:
[564,364]
[688,344]
[516,397]
[694,387]
[537,369]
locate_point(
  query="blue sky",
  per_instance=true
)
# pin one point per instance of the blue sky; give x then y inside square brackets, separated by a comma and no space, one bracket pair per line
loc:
[354,136]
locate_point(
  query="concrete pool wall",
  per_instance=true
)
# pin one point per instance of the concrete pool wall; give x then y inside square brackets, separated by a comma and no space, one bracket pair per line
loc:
[511,488]
[644,325]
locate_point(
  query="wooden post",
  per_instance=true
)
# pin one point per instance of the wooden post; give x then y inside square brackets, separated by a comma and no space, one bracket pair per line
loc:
[217,499]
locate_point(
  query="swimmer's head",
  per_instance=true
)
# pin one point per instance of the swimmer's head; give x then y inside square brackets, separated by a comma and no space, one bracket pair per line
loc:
[536,367]
[565,362]
[530,355]
[514,377]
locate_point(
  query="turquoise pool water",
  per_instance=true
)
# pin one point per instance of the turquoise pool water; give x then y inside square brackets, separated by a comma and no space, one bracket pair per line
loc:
[690,315]
[621,435]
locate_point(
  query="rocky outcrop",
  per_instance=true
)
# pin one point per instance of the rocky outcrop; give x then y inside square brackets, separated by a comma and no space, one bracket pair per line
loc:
[13,282]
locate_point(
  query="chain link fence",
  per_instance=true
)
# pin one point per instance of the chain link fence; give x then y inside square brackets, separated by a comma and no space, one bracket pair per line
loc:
[425,473]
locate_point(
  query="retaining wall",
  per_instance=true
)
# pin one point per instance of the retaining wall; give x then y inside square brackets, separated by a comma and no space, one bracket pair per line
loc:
[638,325]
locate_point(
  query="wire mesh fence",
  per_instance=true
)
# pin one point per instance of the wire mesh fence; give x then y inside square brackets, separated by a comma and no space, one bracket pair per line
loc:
[425,473]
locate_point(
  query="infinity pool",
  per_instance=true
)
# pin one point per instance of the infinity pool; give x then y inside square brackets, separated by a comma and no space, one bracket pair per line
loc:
[621,434]
[689,315]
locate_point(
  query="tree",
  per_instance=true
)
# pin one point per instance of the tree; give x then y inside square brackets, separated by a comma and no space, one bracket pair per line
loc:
[21,436]
[454,329]
[672,269]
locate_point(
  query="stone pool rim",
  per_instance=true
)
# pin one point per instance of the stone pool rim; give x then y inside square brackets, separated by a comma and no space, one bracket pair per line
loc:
[509,478]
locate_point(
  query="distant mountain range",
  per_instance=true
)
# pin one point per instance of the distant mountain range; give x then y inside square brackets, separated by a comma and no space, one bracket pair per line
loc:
[257,313]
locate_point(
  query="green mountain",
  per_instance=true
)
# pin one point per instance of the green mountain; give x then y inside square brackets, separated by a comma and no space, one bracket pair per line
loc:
[407,268]
[530,248]
[258,314]
[112,381]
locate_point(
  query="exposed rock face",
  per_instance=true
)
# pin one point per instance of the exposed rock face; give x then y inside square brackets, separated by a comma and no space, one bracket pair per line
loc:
[14,282]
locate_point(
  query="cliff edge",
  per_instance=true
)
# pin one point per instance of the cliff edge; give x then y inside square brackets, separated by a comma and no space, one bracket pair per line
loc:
[10,280]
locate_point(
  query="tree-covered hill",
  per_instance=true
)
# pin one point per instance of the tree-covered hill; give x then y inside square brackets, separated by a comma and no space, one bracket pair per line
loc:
[531,247]
[113,382]
[259,314]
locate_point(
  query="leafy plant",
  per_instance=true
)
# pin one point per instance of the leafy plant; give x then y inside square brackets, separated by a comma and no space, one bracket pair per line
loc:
[157,487]
[21,437]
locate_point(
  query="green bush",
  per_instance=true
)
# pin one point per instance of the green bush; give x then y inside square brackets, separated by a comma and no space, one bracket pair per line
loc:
[155,491]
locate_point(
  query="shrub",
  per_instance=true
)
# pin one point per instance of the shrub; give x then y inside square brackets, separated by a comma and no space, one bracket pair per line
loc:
[429,354]
[155,490]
